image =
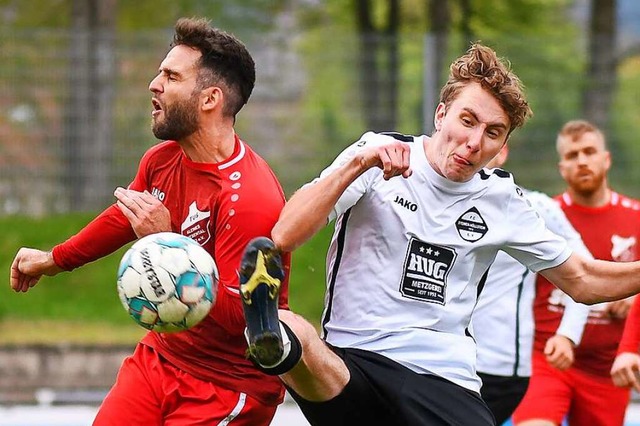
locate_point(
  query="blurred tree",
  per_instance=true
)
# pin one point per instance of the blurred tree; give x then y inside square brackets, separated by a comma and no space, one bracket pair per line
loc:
[601,71]
[89,111]
[378,63]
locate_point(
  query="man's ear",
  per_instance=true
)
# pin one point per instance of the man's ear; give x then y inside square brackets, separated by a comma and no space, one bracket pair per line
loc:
[213,97]
[441,111]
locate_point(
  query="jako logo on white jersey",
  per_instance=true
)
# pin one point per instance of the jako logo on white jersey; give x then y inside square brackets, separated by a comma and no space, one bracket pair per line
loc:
[406,203]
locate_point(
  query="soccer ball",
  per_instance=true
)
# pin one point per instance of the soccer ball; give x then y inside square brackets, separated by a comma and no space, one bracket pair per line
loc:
[167,282]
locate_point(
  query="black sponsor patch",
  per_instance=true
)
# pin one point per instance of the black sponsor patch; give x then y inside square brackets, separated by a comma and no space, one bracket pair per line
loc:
[426,268]
[471,226]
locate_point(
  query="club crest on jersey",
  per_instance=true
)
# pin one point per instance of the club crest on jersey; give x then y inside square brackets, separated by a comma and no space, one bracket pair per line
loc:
[471,226]
[196,225]
[623,248]
[426,268]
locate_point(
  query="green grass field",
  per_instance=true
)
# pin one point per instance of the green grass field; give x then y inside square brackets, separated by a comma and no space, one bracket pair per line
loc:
[83,306]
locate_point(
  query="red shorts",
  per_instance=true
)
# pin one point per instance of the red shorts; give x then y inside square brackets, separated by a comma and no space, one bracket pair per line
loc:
[586,399]
[151,391]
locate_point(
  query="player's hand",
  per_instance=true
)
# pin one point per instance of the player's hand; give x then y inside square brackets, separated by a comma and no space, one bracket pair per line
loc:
[145,212]
[392,158]
[625,370]
[619,309]
[559,352]
[29,266]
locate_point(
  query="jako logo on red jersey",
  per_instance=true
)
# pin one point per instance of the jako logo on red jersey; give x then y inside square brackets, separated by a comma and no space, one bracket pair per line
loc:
[157,193]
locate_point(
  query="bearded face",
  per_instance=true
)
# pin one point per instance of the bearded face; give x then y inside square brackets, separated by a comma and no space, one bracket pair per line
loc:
[586,181]
[584,162]
[179,119]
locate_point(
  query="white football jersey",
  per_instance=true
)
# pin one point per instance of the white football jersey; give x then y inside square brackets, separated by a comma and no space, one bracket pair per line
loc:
[408,256]
[503,319]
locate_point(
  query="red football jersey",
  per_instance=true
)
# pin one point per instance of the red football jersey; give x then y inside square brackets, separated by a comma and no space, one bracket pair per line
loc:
[631,337]
[611,232]
[221,206]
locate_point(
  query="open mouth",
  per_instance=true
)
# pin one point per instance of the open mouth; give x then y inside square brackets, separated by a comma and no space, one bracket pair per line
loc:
[157,107]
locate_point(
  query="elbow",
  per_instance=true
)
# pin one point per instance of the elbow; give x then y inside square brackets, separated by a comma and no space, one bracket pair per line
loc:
[282,238]
[585,297]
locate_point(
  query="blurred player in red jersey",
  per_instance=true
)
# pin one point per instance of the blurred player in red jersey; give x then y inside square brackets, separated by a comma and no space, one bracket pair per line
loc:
[625,371]
[609,224]
[205,183]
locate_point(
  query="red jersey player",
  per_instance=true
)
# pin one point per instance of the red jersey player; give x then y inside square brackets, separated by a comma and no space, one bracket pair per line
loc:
[609,224]
[205,183]
[625,371]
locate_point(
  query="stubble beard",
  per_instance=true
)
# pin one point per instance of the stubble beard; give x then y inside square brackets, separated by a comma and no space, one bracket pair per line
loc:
[180,121]
[587,188]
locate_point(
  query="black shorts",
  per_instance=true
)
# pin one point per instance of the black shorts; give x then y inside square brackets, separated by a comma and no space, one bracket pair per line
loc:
[383,392]
[503,394]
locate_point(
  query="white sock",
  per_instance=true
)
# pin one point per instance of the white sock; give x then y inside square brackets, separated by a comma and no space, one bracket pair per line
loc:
[286,344]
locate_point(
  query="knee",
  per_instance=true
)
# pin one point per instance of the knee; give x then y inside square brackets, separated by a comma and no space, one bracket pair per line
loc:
[304,331]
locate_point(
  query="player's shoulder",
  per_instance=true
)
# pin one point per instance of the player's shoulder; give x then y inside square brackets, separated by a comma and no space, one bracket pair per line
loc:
[162,150]
[499,181]
[538,198]
[381,138]
[246,158]
[547,206]
[496,176]
[625,201]
[500,186]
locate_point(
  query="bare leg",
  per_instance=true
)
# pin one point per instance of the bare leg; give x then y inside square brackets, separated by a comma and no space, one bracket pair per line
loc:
[320,375]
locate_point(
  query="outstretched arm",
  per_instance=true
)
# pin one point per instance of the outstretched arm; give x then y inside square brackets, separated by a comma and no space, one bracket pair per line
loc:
[29,266]
[589,281]
[308,209]
[104,235]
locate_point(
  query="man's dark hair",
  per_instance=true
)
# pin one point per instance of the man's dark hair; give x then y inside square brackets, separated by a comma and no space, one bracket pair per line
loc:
[225,61]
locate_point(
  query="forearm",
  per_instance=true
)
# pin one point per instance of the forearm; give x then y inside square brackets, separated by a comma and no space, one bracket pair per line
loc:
[309,208]
[592,281]
[104,235]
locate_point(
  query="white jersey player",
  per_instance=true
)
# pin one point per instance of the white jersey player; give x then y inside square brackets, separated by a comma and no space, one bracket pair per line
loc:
[418,222]
[433,260]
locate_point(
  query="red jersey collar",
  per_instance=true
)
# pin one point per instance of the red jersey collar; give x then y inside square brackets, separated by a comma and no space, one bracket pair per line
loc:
[239,151]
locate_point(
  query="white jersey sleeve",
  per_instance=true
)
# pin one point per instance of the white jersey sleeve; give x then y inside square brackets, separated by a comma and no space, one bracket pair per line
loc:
[353,193]
[520,213]
[575,314]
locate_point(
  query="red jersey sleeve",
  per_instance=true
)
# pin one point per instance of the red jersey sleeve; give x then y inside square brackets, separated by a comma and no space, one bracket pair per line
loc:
[630,341]
[102,236]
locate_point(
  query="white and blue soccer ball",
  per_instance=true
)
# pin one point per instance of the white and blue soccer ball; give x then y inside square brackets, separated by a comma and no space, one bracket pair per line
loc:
[167,282]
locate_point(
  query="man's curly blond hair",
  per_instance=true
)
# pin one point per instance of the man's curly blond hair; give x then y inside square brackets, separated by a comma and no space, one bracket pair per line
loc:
[481,65]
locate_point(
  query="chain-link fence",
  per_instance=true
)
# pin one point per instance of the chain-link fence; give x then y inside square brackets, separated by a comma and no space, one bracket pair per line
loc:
[75,108]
